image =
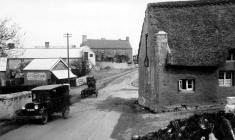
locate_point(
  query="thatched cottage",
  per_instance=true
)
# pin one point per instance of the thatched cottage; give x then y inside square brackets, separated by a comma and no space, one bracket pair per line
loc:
[187,53]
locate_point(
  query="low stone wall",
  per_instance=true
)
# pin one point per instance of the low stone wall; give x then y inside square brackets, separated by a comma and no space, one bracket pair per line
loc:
[114,65]
[9,103]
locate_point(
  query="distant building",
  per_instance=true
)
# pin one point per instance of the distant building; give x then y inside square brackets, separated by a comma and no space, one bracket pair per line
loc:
[47,71]
[107,50]
[20,56]
[187,53]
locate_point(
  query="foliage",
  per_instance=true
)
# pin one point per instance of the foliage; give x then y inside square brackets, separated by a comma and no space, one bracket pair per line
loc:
[9,35]
[80,68]
[121,58]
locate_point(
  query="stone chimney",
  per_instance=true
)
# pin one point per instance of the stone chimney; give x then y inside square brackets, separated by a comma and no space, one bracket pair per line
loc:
[127,38]
[84,39]
[162,46]
[47,44]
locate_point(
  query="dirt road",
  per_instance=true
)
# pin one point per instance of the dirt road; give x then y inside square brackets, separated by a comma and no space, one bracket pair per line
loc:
[90,119]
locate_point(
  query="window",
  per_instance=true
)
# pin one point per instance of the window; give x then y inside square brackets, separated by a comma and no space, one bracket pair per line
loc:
[91,55]
[225,78]
[231,56]
[186,85]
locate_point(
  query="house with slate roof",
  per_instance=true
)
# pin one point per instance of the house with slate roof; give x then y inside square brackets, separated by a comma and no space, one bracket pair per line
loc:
[106,50]
[187,53]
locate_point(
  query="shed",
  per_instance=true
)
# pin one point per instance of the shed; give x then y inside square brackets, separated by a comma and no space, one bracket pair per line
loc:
[46,71]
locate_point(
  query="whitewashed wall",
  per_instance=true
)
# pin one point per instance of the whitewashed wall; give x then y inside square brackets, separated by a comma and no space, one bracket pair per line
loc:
[9,103]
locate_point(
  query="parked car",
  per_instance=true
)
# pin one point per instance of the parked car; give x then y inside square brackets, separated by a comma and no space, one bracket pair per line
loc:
[46,100]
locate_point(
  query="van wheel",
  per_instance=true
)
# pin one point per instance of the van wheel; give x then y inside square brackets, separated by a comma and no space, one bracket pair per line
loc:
[65,112]
[44,119]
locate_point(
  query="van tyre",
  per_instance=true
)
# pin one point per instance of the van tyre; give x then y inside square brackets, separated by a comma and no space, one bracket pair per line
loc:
[44,119]
[65,112]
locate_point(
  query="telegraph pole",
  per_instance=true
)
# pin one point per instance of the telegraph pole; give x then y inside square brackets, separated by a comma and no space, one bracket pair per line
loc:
[67,35]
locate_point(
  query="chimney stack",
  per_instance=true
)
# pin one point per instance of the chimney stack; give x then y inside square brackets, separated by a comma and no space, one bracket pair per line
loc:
[84,39]
[127,38]
[47,44]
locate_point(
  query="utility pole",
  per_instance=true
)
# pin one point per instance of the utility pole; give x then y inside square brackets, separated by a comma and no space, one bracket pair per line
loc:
[67,35]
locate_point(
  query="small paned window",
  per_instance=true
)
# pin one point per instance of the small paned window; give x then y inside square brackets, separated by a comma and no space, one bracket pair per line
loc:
[226,78]
[186,85]
[91,55]
[231,56]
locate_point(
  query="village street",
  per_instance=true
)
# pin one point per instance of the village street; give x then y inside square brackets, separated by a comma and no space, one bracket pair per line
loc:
[91,118]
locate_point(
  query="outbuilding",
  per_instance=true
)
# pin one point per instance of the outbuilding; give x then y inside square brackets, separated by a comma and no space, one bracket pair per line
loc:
[47,71]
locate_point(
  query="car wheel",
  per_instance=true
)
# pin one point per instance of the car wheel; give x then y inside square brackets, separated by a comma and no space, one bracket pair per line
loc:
[65,112]
[44,118]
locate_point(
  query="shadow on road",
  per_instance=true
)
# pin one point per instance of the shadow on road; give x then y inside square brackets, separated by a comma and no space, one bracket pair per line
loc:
[130,120]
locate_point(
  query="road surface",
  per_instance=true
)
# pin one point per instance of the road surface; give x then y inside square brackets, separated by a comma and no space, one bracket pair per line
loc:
[90,119]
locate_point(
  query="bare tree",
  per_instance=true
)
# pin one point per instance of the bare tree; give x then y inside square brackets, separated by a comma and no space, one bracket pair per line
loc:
[9,36]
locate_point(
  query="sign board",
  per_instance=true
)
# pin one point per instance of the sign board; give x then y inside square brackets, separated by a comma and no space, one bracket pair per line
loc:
[80,81]
[37,76]
[3,63]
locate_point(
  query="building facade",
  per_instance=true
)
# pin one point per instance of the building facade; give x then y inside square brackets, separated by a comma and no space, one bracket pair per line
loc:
[107,50]
[186,54]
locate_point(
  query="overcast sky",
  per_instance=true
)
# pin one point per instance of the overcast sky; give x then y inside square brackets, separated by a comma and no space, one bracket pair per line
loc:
[49,20]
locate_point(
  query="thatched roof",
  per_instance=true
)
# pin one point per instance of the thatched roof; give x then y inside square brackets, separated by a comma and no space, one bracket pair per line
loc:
[200,33]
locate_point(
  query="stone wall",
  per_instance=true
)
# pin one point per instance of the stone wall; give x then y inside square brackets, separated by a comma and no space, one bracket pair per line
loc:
[9,103]
[114,65]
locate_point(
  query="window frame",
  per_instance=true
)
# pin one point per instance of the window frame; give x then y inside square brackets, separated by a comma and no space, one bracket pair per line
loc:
[231,56]
[187,84]
[224,81]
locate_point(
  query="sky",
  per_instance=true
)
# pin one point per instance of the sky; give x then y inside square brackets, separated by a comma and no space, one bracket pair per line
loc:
[48,20]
